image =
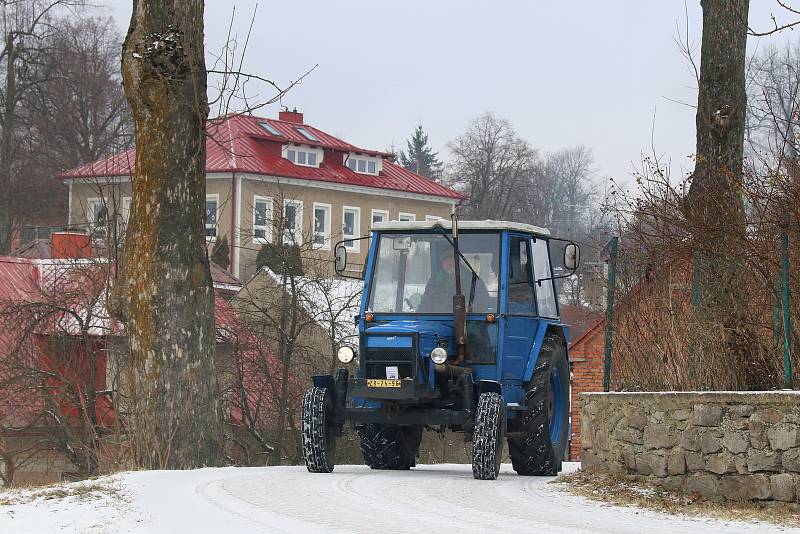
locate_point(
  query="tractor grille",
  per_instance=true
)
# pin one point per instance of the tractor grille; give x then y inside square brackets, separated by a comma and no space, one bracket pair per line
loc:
[378,359]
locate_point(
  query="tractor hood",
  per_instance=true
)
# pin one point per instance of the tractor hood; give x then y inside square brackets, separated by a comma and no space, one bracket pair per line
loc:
[431,328]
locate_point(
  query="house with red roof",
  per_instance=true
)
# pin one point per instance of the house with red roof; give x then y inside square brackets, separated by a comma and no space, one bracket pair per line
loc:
[274,181]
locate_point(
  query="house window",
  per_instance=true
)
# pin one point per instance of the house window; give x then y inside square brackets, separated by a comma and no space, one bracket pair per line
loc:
[350,227]
[433,218]
[322,226]
[406,217]
[97,217]
[262,219]
[212,216]
[270,128]
[302,156]
[379,216]
[362,164]
[292,221]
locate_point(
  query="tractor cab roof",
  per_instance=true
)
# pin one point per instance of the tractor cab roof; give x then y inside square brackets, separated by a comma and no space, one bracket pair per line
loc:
[416,226]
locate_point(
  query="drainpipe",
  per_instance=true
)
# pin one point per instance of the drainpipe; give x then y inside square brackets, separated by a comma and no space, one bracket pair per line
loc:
[234,242]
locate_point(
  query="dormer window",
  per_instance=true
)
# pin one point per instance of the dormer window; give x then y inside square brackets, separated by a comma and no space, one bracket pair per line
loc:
[270,128]
[305,156]
[364,164]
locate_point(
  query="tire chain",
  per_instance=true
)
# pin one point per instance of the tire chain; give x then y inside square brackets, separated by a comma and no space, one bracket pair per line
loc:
[489,416]
[314,437]
[385,447]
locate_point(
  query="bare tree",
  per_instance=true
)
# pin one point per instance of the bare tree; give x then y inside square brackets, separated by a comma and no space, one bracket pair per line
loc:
[26,27]
[165,296]
[78,109]
[490,163]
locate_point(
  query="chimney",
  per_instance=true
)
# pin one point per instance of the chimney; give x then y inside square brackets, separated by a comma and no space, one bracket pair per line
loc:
[70,245]
[291,116]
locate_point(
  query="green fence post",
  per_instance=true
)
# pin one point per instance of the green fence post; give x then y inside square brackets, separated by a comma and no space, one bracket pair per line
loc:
[696,274]
[612,272]
[788,381]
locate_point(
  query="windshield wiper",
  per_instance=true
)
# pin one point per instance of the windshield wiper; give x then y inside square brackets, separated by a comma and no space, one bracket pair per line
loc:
[475,276]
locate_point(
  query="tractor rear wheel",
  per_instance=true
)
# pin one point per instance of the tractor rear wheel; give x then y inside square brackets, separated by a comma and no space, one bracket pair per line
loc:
[545,423]
[487,439]
[318,434]
[391,447]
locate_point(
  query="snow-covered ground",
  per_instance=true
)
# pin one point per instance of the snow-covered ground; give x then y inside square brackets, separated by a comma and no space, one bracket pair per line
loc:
[430,498]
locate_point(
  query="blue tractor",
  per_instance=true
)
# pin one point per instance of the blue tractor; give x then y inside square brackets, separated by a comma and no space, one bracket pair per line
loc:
[458,329]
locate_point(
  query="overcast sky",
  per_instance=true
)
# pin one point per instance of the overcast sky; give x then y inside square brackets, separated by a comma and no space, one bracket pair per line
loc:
[564,73]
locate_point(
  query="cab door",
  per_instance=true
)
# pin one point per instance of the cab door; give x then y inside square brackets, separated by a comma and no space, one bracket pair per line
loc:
[520,312]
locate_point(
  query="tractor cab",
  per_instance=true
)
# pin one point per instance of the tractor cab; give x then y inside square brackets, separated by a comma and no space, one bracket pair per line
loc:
[454,319]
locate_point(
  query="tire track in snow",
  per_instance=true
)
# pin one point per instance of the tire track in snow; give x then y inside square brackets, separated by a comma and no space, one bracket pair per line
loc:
[446,498]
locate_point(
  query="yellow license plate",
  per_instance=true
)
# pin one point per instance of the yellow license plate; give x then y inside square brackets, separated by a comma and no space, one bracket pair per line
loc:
[378,383]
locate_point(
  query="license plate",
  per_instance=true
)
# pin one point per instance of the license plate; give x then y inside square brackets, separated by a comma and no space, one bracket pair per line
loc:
[380,383]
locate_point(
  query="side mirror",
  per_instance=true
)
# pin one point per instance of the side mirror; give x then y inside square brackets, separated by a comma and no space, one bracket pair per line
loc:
[340,263]
[572,256]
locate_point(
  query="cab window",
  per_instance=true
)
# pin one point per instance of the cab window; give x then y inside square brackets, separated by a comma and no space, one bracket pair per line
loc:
[520,286]
[545,294]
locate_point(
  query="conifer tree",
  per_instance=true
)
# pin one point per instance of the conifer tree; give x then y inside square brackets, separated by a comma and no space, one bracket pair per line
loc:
[420,157]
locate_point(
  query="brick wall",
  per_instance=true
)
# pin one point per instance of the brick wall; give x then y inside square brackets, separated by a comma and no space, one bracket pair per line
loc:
[586,358]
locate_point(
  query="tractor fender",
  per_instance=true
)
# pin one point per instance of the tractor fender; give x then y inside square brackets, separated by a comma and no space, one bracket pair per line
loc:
[489,386]
[324,381]
[538,341]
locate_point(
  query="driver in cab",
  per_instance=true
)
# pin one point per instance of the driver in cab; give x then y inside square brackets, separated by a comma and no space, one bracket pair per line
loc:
[439,291]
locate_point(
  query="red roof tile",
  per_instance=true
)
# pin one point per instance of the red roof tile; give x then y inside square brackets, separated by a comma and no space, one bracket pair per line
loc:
[240,144]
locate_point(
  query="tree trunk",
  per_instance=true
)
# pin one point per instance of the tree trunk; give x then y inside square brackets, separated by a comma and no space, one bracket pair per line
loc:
[165,295]
[714,196]
[6,145]
[714,208]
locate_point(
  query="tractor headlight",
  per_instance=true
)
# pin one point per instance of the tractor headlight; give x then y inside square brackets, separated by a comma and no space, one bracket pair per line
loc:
[345,354]
[439,355]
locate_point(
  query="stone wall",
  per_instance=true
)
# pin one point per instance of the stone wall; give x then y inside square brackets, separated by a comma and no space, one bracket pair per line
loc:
[738,446]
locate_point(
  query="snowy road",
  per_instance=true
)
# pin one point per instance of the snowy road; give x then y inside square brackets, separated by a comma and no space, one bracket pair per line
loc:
[432,498]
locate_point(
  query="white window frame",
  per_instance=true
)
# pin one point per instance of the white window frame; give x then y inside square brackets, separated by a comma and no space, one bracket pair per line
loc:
[124,216]
[305,149]
[382,213]
[433,218]
[409,217]
[298,222]
[326,231]
[268,226]
[125,210]
[355,159]
[94,229]
[211,239]
[354,246]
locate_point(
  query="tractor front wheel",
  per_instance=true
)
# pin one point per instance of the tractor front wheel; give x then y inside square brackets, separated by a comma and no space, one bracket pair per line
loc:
[546,421]
[487,439]
[318,434]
